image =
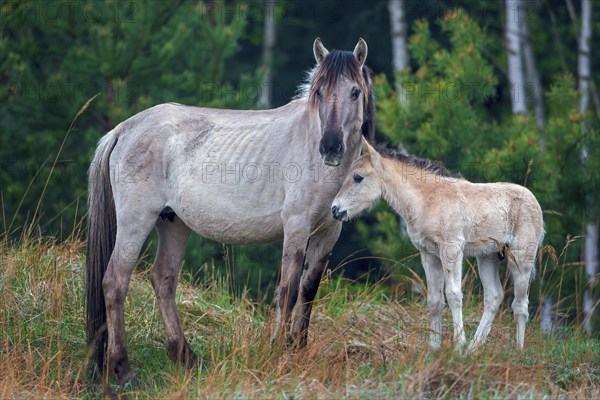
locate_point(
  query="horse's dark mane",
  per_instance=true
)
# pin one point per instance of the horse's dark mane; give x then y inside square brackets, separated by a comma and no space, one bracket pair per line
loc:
[435,167]
[340,63]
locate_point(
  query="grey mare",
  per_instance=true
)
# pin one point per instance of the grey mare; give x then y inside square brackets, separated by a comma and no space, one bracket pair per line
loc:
[232,176]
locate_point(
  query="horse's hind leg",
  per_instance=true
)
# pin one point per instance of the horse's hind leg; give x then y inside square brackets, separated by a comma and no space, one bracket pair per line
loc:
[172,239]
[521,268]
[132,231]
[492,297]
[451,256]
[317,256]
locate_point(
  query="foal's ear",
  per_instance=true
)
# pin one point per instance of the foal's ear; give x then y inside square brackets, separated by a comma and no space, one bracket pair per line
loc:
[319,51]
[364,147]
[360,51]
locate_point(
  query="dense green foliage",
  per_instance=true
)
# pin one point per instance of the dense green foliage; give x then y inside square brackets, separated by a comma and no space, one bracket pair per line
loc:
[453,105]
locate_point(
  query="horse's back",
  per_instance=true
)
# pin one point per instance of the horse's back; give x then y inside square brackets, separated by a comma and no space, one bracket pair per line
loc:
[500,213]
[223,172]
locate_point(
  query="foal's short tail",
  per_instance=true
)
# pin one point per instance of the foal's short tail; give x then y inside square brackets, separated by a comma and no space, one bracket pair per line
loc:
[538,253]
[102,231]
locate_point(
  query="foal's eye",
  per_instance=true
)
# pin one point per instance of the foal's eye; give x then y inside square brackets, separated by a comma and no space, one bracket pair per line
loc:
[355,93]
[358,178]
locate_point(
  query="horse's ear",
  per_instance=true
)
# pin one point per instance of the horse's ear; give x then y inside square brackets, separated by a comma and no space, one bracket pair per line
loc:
[319,51]
[368,126]
[360,51]
[364,147]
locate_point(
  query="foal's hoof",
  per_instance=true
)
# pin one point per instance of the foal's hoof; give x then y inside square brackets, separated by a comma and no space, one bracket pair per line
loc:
[473,348]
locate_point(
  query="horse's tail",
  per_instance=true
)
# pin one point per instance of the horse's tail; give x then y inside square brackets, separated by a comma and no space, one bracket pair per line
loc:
[102,229]
[539,251]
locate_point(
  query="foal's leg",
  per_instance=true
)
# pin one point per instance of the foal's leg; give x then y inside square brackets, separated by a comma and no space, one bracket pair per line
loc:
[296,231]
[521,275]
[492,297]
[451,256]
[172,240]
[132,231]
[317,255]
[435,298]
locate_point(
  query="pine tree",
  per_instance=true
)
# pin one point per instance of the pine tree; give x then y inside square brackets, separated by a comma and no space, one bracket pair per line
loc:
[54,56]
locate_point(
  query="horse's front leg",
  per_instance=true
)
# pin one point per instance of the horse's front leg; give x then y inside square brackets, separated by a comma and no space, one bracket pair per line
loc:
[451,256]
[317,255]
[435,297]
[296,231]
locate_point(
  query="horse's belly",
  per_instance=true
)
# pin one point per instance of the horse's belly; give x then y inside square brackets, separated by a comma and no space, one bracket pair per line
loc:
[248,231]
[241,215]
[484,247]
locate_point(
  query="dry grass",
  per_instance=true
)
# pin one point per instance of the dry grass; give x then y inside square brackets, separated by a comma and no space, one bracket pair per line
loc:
[362,343]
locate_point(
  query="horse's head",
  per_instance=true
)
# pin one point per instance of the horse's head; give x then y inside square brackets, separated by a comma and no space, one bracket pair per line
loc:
[362,186]
[341,90]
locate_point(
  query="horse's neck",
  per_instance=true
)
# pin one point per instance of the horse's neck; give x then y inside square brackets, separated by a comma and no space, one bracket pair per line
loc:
[303,124]
[403,186]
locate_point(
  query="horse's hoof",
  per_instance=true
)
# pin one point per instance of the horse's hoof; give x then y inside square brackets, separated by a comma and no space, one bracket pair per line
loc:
[460,346]
[290,342]
[130,380]
[191,360]
[196,363]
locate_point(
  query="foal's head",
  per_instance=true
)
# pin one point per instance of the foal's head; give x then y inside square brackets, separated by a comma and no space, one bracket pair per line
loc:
[362,186]
[341,90]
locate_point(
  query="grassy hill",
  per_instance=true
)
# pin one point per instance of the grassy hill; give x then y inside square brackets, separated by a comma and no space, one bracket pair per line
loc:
[363,343]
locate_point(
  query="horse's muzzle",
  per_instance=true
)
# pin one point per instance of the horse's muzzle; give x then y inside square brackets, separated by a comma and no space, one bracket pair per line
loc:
[332,161]
[337,214]
[332,151]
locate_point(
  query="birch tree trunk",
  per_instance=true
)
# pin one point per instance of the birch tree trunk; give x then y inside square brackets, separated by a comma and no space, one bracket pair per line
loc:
[269,33]
[398,34]
[590,248]
[514,13]
[534,83]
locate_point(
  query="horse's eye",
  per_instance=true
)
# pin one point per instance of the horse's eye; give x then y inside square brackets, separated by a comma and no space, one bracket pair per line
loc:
[358,178]
[355,93]
[318,93]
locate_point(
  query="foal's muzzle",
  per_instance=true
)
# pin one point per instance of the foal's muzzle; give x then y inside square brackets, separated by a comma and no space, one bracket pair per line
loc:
[337,214]
[331,149]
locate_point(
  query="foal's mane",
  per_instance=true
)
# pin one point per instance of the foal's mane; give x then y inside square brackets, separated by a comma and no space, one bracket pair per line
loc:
[425,164]
[340,63]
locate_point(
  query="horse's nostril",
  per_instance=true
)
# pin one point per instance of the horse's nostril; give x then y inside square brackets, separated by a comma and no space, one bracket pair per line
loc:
[335,211]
